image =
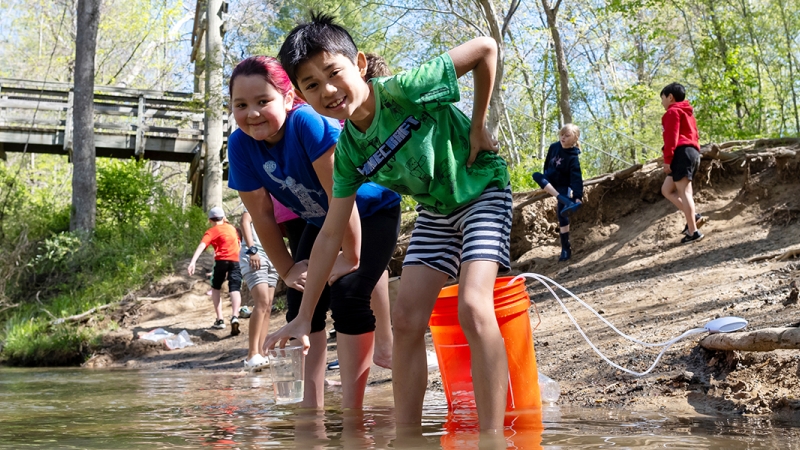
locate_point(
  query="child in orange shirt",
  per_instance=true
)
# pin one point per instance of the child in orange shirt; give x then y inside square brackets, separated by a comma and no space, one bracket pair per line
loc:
[225,240]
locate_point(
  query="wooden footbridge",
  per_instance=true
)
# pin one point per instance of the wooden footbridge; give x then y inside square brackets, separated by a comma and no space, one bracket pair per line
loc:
[129,123]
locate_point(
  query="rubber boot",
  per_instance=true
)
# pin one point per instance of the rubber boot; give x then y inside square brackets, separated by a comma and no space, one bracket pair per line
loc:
[566,248]
[569,206]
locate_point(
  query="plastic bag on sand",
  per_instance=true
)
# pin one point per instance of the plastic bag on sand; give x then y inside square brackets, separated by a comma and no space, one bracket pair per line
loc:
[156,335]
[171,340]
[180,340]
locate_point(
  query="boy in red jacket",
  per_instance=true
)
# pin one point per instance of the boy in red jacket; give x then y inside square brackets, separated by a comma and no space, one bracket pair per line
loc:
[681,157]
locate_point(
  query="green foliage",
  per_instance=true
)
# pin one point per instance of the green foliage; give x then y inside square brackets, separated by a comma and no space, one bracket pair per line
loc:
[522,174]
[124,189]
[407,203]
[140,233]
[34,343]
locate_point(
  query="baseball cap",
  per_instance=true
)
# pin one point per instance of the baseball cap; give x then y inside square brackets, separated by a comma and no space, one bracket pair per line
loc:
[216,213]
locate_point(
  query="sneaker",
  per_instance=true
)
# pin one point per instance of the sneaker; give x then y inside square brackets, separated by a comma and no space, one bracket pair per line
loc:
[698,220]
[255,363]
[219,324]
[235,326]
[334,365]
[245,312]
[693,238]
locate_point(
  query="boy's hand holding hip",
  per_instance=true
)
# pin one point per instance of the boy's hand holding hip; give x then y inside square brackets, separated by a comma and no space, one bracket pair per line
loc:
[480,139]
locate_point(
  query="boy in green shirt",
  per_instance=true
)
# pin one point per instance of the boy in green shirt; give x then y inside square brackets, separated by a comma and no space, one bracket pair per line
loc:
[404,133]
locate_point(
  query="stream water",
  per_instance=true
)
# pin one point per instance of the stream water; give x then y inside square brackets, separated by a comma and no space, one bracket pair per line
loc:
[74,408]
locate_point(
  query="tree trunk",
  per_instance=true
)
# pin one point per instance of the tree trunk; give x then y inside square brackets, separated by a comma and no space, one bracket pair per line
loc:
[84,182]
[212,179]
[788,37]
[561,60]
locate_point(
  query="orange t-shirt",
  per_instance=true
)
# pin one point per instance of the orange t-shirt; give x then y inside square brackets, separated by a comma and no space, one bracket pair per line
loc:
[225,241]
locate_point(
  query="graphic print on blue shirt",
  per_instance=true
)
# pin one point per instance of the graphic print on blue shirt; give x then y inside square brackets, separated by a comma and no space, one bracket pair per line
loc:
[286,169]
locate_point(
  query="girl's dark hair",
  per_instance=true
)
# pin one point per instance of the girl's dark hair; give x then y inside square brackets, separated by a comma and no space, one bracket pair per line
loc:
[267,67]
[309,39]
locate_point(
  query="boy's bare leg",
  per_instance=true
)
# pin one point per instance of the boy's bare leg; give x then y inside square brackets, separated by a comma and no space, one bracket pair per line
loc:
[236,302]
[215,298]
[670,192]
[419,288]
[355,359]
[382,355]
[565,229]
[489,361]
[259,320]
[314,383]
[684,188]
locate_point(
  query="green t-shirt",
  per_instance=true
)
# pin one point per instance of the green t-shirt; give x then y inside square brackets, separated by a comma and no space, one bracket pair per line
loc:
[418,143]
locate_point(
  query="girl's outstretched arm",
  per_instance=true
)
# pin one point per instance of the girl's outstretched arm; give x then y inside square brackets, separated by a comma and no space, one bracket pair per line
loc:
[259,205]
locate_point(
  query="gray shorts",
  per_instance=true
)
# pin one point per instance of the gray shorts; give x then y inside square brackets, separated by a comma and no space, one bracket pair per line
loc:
[266,274]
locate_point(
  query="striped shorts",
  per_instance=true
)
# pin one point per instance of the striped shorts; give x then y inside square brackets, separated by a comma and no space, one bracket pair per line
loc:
[477,231]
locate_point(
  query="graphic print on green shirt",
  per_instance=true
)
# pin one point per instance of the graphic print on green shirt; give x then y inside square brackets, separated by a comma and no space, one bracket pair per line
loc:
[418,143]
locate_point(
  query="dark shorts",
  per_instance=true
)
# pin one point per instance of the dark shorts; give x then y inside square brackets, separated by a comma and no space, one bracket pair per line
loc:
[229,270]
[348,298]
[685,162]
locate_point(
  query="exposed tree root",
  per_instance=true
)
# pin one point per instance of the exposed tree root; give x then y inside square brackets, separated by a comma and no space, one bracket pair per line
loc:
[764,340]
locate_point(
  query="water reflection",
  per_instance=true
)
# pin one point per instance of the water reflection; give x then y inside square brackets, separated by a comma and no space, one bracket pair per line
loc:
[184,409]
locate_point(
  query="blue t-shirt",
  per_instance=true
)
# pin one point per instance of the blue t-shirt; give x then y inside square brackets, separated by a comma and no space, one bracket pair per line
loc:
[285,169]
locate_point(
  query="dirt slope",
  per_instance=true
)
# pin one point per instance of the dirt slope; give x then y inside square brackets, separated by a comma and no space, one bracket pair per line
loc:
[628,264]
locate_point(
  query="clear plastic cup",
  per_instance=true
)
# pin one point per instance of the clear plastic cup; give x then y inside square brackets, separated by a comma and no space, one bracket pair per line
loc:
[287,366]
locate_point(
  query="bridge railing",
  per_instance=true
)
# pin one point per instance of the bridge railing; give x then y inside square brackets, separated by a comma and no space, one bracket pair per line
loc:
[164,126]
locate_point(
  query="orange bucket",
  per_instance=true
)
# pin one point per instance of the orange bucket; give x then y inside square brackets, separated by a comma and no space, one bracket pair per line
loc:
[511,305]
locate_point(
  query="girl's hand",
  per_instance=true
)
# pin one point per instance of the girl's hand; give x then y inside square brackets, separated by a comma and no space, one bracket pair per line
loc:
[255,262]
[296,329]
[479,140]
[667,169]
[341,268]
[190,269]
[296,276]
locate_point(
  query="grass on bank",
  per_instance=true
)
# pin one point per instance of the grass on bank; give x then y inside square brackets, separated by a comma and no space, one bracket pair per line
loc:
[141,232]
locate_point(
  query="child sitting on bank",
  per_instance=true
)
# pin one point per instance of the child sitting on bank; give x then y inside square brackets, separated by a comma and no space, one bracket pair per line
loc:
[681,157]
[403,132]
[222,236]
[562,177]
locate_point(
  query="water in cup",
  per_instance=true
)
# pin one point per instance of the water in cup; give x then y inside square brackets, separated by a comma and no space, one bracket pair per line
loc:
[287,366]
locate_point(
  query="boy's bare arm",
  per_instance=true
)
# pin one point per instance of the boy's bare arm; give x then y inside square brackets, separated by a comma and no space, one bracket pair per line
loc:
[480,57]
[197,252]
[324,252]
[351,240]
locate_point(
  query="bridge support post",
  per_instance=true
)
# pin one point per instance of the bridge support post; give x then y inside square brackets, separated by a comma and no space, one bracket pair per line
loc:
[140,126]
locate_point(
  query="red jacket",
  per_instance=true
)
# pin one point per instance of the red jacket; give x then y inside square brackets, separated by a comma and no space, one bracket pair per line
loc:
[678,128]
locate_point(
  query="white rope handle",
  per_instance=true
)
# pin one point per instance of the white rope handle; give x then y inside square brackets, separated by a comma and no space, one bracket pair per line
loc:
[667,344]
